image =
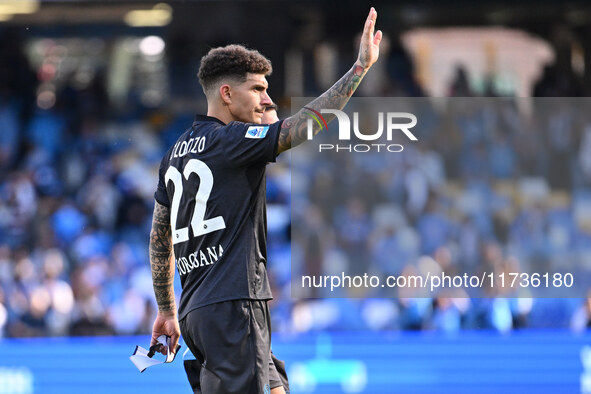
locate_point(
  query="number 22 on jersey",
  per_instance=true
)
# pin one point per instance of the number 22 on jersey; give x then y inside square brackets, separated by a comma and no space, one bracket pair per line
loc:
[199,224]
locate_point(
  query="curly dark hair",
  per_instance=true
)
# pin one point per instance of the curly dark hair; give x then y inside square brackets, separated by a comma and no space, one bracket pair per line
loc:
[231,62]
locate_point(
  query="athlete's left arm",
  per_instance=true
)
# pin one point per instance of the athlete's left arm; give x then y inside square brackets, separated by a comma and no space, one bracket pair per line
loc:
[294,129]
[162,266]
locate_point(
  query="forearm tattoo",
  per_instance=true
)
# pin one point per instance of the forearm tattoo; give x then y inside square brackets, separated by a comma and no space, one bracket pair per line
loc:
[161,258]
[294,129]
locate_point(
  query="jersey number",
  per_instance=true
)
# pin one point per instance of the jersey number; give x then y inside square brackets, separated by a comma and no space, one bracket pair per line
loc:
[199,224]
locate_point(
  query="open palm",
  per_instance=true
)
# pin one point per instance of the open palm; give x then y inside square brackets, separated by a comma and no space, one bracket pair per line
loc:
[369,48]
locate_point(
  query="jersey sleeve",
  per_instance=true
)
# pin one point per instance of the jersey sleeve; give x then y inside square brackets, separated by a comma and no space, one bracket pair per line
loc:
[161,195]
[251,143]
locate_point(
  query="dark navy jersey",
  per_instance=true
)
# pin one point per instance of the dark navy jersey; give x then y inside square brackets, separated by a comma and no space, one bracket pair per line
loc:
[213,181]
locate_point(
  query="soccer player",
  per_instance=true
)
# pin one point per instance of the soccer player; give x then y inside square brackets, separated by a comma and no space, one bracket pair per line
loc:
[210,208]
[278,380]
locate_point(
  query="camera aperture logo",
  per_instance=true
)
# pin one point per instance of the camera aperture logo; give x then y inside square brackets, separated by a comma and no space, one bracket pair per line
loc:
[394,122]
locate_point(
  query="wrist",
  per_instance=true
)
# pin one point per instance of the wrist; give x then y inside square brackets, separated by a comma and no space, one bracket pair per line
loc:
[358,63]
[167,313]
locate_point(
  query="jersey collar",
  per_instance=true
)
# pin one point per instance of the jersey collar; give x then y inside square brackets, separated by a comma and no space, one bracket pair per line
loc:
[205,118]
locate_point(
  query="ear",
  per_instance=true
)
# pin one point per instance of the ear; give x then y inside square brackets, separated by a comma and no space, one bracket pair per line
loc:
[226,93]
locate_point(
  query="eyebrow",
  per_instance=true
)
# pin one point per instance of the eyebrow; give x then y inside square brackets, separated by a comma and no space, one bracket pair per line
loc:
[271,106]
[257,82]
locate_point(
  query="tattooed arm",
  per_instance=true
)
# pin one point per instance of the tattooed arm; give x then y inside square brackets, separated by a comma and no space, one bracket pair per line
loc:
[162,265]
[294,129]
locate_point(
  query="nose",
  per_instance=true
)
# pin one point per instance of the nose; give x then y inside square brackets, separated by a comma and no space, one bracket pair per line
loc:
[266,99]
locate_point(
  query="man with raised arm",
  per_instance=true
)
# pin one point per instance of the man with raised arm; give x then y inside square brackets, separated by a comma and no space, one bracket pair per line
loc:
[277,375]
[210,217]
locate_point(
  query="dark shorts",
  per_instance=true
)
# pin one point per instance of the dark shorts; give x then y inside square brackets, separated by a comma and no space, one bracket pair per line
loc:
[231,342]
[280,379]
[277,374]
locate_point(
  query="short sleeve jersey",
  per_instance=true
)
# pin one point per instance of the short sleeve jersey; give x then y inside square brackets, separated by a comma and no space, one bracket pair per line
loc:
[213,181]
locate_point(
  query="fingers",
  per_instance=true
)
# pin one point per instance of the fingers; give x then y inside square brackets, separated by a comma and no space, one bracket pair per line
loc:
[370,43]
[377,38]
[174,340]
[154,339]
[174,335]
[162,348]
[370,23]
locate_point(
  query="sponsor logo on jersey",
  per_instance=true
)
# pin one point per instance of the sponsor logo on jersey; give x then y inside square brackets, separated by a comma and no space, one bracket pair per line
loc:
[256,132]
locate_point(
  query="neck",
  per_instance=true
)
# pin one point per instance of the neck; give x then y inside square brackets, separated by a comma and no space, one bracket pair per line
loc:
[219,111]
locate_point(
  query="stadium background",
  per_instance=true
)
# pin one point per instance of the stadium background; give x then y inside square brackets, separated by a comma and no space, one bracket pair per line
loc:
[92,93]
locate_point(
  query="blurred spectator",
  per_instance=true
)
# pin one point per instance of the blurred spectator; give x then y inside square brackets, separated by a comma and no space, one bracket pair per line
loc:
[460,86]
[581,319]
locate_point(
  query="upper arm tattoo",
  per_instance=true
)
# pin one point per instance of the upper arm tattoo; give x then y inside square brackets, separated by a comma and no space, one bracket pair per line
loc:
[294,129]
[162,258]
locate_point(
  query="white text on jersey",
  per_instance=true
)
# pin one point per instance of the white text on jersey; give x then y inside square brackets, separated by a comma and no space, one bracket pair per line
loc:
[199,259]
[193,145]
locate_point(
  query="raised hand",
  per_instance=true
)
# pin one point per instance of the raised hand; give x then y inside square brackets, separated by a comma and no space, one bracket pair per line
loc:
[369,47]
[294,130]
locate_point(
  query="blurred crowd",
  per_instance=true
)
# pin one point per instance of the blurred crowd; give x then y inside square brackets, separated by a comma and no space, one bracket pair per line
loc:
[492,186]
[488,188]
